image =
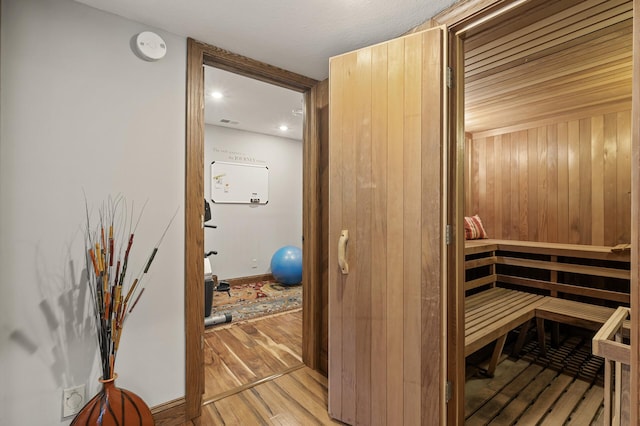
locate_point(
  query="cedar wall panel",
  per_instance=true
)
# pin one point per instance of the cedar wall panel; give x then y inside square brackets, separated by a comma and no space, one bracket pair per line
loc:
[566,182]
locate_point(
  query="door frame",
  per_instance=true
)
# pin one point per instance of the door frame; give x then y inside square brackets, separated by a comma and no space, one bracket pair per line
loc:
[459,18]
[456,20]
[198,55]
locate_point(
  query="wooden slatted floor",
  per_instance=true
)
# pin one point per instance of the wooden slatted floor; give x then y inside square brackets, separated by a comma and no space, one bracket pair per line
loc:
[563,388]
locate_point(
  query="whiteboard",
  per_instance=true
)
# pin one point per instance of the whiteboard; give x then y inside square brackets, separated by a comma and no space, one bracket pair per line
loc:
[239,183]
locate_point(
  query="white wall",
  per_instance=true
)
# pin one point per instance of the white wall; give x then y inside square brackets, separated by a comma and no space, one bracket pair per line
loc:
[79,111]
[246,232]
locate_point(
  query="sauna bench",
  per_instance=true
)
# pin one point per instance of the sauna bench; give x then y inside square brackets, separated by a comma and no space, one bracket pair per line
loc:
[509,283]
[491,314]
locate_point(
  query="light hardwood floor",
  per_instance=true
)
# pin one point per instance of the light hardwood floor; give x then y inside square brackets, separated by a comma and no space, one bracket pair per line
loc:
[296,398]
[254,375]
[236,355]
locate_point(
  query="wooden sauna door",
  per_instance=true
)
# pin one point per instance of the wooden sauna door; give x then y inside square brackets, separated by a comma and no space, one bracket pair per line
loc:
[385,189]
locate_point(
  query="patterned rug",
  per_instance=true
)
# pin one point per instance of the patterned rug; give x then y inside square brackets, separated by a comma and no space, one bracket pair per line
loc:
[248,301]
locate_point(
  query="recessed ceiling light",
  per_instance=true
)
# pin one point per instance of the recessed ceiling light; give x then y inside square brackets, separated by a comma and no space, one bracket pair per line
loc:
[284,127]
[217,95]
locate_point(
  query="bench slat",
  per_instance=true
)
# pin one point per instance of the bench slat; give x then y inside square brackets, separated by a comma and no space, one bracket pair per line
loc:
[479,340]
[489,279]
[493,297]
[597,271]
[499,309]
[477,263]
[596,293]
[494,313]
[480,299]
[557,249]
[576,313]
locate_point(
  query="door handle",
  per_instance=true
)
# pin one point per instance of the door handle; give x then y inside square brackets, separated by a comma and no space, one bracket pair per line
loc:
[342,251]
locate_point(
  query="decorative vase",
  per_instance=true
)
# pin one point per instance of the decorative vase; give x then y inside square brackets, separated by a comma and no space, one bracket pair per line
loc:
[114,406]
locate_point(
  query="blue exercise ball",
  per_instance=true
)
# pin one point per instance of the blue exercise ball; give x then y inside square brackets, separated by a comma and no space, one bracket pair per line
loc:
[286,265]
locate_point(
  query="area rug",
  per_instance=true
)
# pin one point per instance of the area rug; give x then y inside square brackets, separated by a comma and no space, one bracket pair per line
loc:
[253,300]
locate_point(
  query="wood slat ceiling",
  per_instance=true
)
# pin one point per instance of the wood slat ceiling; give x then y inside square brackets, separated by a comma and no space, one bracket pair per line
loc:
[548,59]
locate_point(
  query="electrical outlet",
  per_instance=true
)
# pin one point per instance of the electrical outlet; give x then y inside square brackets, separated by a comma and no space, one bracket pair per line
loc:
[72,400]
[254,263]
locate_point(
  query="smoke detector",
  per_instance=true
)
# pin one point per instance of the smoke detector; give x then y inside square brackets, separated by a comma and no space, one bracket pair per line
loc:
[150,46]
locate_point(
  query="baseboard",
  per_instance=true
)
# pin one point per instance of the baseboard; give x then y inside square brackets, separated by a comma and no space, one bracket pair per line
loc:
[249,280]
[170,413]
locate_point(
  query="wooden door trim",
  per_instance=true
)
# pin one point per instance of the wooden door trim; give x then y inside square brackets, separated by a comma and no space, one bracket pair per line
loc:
[455,254]
[458,17]
[194,236]
[635,212]
[199,54]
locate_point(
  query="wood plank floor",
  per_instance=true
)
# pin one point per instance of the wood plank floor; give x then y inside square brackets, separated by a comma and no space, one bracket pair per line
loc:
[254,376]
[296,398]
[239,354]
[563,388]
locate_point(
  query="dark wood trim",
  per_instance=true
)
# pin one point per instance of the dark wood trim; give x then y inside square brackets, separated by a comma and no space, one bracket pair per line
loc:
[194,236]
[170,413]
[310,322]
[312,300]
[241,65]
[199,54]
[321,205]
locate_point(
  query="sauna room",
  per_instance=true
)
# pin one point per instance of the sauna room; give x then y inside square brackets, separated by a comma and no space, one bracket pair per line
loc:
[547,104]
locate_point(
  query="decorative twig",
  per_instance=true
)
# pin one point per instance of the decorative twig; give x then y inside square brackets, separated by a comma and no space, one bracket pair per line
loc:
[104,247]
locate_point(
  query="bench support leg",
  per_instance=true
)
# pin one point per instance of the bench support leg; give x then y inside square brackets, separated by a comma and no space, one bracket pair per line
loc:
[555,334]
[522,337]
[541,336]
[497,351]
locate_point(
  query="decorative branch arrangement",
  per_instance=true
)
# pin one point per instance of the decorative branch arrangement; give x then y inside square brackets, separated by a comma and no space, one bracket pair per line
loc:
[114,294]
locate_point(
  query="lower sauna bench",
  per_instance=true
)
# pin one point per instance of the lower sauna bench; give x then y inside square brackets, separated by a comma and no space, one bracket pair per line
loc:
[579,314]
[491,314]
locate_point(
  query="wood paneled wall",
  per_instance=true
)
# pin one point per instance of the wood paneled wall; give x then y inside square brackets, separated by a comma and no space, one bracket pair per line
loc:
[567,182]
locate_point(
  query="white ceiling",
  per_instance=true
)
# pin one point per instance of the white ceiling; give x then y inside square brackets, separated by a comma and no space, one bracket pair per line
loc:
[251,104]
[299,36]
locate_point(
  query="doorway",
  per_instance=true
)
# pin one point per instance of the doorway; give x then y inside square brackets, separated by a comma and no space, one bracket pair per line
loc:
[199,54]
[555,89]
[253,142]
